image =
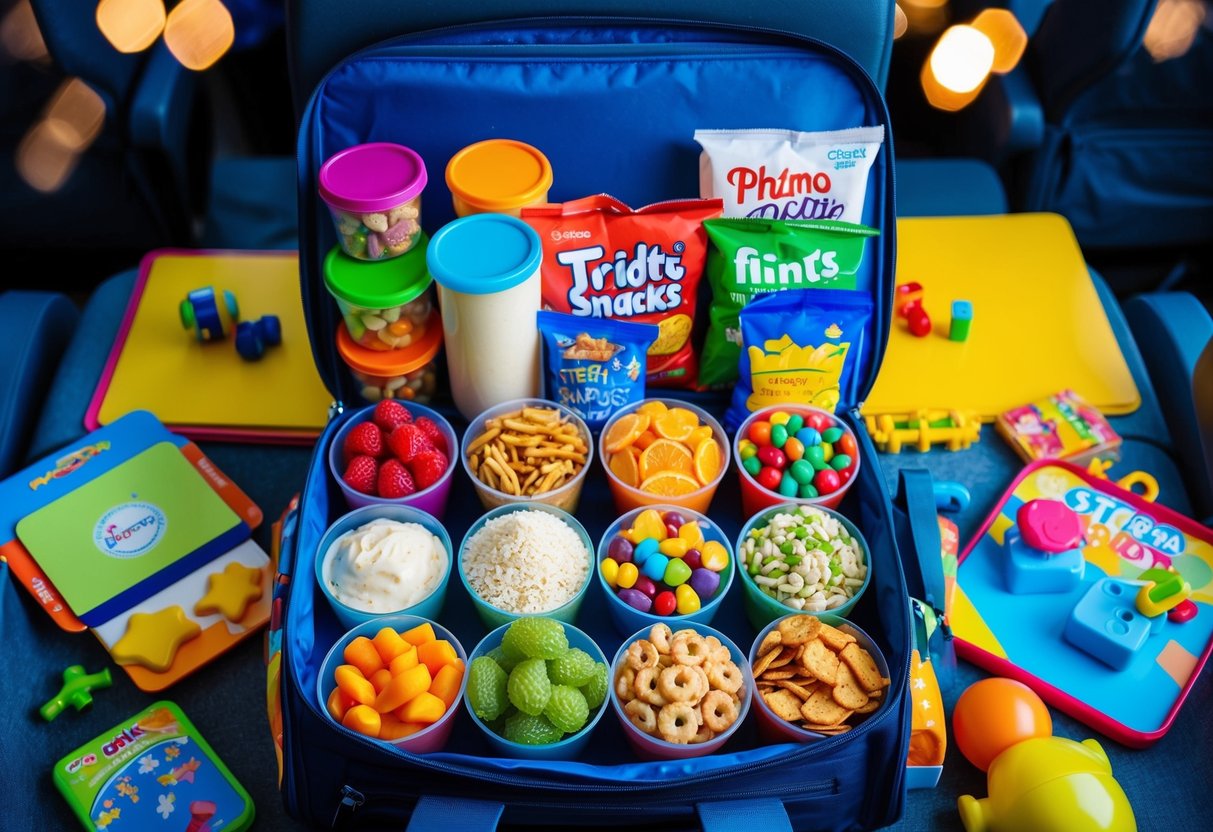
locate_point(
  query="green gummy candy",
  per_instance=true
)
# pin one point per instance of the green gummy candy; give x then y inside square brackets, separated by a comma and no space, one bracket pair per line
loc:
[831,435]
[802,471]
[779,435]
[676,572]
[840,462]
[794,424]
[752,466]
[808,491]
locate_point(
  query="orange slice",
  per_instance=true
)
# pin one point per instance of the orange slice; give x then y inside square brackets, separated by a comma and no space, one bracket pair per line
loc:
[625,431]
[653,408]
[707,461]
[684,415]
[671,425]
[623,465]
[698,435]
[670,484]
[644,440]
[665,456]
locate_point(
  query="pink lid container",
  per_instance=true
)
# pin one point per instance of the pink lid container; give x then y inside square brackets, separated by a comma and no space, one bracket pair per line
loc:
[372,177]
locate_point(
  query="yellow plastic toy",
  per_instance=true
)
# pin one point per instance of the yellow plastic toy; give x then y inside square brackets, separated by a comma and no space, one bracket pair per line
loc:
[956,430]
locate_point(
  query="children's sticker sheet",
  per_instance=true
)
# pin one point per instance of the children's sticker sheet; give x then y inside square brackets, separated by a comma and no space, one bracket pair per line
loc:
[1065,644]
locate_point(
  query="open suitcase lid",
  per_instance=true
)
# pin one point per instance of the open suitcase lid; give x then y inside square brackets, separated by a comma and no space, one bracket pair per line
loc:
[583,143]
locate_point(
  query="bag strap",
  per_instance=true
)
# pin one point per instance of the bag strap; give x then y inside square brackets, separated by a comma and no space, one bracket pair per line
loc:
[924,569]
[457,814]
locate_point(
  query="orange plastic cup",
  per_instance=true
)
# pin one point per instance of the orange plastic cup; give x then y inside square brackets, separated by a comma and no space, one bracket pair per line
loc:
[498,176]
[627,497]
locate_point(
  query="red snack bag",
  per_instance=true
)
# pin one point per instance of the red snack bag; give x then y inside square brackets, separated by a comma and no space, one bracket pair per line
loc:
[602,259]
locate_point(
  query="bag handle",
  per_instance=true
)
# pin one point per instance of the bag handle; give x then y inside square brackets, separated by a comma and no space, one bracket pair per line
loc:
[916,495]
[457,814]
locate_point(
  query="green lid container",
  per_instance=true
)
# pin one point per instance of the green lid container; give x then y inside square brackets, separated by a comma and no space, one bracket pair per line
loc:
[379,284]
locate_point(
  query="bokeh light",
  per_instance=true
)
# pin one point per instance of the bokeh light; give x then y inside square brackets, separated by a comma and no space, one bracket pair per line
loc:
[962,59]
[1008,36]
[900,23]
[77,112]
[131,25]
[925,17]
[51,149]
[199,32]
[1173,28]
[20,37]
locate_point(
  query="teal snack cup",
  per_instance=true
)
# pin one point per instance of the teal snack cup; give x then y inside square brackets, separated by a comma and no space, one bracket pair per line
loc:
[774,729]
[566,749]
[762,608]
[626,617]
[494,616]
[425,741]
[351,616]
[650,747]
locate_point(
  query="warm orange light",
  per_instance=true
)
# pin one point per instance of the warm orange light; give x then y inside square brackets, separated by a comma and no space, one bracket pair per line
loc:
[20,37]
[962,59]
[1173,28]
[925,17]
[77,114]
[199,32]
[42,160]
[899,21]
[50,150]
[131,25]
[1008,36]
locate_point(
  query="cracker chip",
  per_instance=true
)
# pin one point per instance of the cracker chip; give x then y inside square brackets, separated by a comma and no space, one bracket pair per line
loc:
[821,709]
[799,629]
[835,638]
[830,730]
[847,692]
[786,656]
[771,639]
[777,675]
[863,666]
[872,705]
[784,703]
[820,662]
[802,693]
[764,661]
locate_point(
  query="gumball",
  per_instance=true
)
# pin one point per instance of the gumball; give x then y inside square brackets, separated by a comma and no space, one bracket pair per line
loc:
[769,478]
[654,566]
[818,421]
[746,449]
[809,437]
[693,558]
[840,462]
[645,584]
[794,424]
[677,572]
[787,485]
[705,582]
[644,550]
[665,603]
[760,433]
[627,576]
[827,452]
[802,471]
[779,417]
[772,457]
[636,600]
[846,445]
[610,572]
[673,520]
[994,714]
[827,481]
[793,449]
[715,556]
[779,435]
[620,550]
[688,600]
[752,465]
[815,456]
[808,492]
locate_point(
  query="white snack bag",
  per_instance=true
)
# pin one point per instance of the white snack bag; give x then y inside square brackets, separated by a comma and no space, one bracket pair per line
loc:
[788,174]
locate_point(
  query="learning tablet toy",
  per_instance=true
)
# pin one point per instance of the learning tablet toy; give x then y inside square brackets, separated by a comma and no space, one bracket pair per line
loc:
[1070,588]
[153,771]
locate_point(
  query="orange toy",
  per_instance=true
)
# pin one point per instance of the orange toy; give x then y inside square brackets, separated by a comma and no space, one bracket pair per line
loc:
[994,714]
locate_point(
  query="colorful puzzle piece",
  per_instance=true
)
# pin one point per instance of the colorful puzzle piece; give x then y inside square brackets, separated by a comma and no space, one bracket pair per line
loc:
[1106,624]
[230,592]
[152,639]
[1029,570]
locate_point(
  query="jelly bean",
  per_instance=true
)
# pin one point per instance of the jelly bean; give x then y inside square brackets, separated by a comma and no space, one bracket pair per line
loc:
[626,577]
[846,473]
[818,421]
[760,433]
[831,435]
[793,449]
[802,471]
[846,445]
[827,481]
[840,462]
[688,600]
[636,600]
[645,584]
[620,550]
[809,437]
[787,485]
[769,478]
[673,547]
[827,452]
[794,424]
[655,564]
[815,456]
[648,524]
[692,534]
[665,603]
[779,417]
[644,550]
[670,531]
[705,582]
[673,520]
[748,450]
[693,558]
[752,465]
[808,491]
[779,435]
[772,457]
[610,572]
[715,556]
[677,573]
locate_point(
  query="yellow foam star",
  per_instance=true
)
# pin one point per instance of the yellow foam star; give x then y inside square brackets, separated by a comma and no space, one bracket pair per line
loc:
[230,592]
[152,639]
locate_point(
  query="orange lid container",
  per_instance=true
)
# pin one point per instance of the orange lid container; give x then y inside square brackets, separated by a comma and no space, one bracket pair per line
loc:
[498,176]
[389,363]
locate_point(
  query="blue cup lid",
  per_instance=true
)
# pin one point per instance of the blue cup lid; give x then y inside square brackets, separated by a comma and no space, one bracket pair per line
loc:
[483,254]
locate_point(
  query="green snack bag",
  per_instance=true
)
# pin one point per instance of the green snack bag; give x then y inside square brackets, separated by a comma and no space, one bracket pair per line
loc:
[749,257]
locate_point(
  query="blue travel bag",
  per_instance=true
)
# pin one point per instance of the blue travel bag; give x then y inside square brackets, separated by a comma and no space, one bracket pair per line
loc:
[613,103]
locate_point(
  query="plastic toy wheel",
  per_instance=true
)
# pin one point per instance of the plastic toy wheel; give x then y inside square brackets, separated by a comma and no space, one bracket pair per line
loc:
[186,310]
[248,342]
[233,308]
[270,330]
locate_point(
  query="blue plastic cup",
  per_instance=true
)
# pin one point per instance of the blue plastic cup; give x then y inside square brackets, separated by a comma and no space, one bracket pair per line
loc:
[495,617]
[566,749]
[626,618]
[429,607]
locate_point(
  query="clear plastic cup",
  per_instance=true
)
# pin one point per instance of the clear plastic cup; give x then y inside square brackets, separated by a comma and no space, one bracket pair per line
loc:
[409,374]
[386,305]
[373,192]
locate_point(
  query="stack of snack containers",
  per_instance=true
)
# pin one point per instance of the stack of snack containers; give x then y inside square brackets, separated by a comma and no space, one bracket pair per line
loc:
[499,176]
[374,194]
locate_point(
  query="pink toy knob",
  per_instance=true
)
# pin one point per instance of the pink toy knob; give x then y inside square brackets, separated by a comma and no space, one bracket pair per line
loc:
[1049,526]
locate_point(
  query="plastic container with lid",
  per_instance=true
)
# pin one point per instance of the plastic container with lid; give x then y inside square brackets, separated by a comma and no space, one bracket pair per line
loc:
[408,373]
[500,176]
[385,305]
[487,270]
[373,192]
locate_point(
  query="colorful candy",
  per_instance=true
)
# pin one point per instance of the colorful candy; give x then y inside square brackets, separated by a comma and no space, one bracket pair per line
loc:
[799,456]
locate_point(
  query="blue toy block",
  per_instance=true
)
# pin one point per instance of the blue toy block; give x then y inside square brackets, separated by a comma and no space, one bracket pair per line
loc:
[201,312]
[1029,571]
[252,337]
[1106,624]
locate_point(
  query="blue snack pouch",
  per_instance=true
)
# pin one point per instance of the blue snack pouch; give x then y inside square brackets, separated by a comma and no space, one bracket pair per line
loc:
[799,346]
[594,366]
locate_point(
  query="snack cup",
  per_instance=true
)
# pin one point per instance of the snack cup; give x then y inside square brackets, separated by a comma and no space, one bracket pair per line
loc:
[760,608]
[754,498]
[495,617]
[566,497]
[568,748]
[430,739]
[409,374]
[655,748]
[498,176]
[431,500]
[774,729]
[627,497]
[385,305]
[628,619]
[373,192]
[428,607]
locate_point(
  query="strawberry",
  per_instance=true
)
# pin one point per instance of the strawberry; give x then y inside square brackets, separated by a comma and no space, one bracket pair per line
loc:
[428,467]
[406,441]
[360,474]
[389,415]
[364,440]
[431,430]
[395,480]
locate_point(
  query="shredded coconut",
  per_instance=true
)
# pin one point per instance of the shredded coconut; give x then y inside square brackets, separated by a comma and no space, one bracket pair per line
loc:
[526,562]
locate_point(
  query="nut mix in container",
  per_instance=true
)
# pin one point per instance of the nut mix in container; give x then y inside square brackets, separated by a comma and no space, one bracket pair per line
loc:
[528,452]
[385,305]
[373,192]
